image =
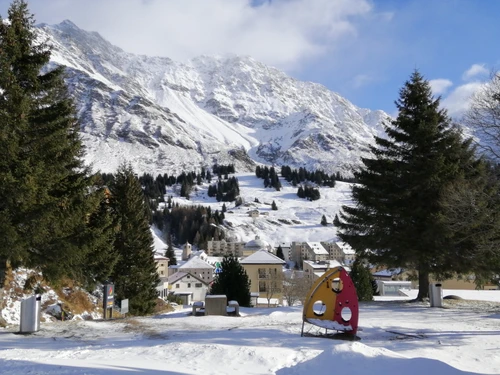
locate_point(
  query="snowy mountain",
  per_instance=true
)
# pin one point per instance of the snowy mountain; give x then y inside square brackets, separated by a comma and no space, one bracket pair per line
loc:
[163,115]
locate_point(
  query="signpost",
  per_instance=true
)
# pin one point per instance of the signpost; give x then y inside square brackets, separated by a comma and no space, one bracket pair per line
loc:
[124,306]
[108,299]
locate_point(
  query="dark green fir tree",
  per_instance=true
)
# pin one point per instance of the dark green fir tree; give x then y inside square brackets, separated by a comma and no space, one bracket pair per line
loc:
[170,253]
[324,222]
[274,207]
[279,253]
[46,193]
[362,279]
[134,275]
[232,281]
[397,218]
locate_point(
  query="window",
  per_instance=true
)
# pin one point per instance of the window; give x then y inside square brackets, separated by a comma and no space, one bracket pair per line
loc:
[161,272]
[262,286]
[189,285]
[188,277]
[198,285]
[177,286]
[262,273]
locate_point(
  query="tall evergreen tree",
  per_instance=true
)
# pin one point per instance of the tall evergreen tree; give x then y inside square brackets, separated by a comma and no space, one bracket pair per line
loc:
[135,275]
[362,279]
[170,253]
[102,257]
[232,281]
[279,253]
[45,194]
[396,221]
[324,222]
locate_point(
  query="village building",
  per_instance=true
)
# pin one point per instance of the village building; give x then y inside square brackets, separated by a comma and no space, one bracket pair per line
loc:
[265,272]
[188,287]
[255,245]
[162,271]
[286,247]
[186,251]
[308,251]
[314,270]
[223,247]
[253,213]
[199,268]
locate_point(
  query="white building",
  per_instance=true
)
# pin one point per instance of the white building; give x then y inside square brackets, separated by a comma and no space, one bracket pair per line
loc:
[308,251]
[199,268]
[348,252]
[162,271]
[287,250]
[314,270]
[224,247]
[186,251]
[188,286]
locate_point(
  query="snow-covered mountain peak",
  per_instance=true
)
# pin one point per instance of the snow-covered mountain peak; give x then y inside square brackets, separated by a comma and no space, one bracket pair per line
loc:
[161,114]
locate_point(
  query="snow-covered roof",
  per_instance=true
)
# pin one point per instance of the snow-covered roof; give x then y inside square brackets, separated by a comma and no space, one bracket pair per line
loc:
[180,275]
[346,248]
[393,282]
[317,248]
[284,244]
[262,257]
[160,257]
[387,272]
[257,243]
[331,263]
[196,262]
[176,277]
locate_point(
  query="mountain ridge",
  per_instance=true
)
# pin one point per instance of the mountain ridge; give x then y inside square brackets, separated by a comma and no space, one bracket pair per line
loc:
[160,114]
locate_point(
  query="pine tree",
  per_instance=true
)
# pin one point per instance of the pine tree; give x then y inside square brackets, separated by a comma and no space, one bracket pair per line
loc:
[135,275]
[102,257]
[324,222]
[396,221]
[362,279]
[170,253]
[232,281]
[274,206]
[46,194]
[279,253]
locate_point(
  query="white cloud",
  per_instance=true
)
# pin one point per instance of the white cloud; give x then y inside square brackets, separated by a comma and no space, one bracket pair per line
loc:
[457,102]
[282,33]
[474,71]
[440,86]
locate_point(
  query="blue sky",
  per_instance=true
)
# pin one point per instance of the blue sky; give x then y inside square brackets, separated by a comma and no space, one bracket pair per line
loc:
[362,49]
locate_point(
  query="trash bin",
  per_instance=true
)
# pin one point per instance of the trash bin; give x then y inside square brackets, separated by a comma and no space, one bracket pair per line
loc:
[435,295]
[30,314]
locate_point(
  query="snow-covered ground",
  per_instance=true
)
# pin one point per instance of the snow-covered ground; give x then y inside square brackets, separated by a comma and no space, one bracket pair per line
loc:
[397,337]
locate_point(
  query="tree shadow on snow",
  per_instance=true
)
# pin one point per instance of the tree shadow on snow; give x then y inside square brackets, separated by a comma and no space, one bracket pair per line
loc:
[16,367]
[369,361]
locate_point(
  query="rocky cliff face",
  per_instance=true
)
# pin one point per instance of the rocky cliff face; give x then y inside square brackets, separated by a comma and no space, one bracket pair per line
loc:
[162,115]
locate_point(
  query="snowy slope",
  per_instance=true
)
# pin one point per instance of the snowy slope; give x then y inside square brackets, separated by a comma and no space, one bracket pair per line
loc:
[160,114]
[295,220]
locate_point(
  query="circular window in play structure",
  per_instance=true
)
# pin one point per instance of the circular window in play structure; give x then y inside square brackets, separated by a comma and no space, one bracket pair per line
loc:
[346,314]
[319,308]
[337,285]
